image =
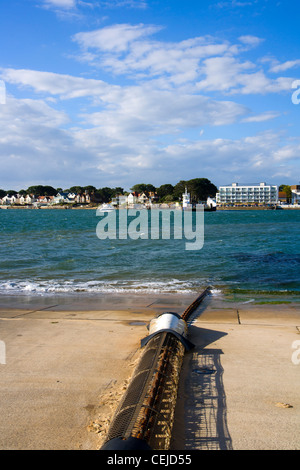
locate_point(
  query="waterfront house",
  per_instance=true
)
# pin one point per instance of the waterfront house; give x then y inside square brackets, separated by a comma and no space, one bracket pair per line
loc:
[153,197]
[295,194]
[142,198]
[122,200]
[247,195]
[15,199]
[6,200]
[72,197]
[132,198]
[282,197]
[43,200]
[62,198]
[30,199]
[80,198]
[119,200]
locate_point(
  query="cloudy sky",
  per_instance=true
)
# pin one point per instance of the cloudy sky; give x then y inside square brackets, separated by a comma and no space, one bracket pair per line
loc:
[118,92]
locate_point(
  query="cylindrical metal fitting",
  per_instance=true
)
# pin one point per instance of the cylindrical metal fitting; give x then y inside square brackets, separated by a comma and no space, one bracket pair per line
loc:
[168,321]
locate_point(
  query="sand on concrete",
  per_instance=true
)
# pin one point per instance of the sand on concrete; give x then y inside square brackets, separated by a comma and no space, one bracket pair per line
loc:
[68,363]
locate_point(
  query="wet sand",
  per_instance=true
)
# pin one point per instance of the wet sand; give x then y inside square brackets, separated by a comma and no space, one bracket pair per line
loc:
[69,359]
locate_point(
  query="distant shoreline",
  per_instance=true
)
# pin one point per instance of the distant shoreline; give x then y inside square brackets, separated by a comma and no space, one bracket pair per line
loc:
[94,207]
[262,208]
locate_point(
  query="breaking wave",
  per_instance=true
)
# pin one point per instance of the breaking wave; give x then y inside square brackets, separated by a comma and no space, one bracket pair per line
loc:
[98,287]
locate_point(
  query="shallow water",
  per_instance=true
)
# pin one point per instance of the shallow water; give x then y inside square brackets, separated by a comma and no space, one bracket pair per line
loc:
[249,256]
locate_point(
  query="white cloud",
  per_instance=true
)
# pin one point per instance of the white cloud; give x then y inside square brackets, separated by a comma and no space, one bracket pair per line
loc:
[152,113]
[120,147]
[285,66]
[123,130]
[35,148]
[63,4]
[34,111]
[205,62]
[65,86]
[116,38]
[166,110]
[249,40]
[126,49]
[244,160]
[124,3]
[223,73]
[267,116]
[109,4]
[234,4]
[148,125]
[231,76]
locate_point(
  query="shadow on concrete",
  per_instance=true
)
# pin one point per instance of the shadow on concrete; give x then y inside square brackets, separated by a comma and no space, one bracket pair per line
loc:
[201,415]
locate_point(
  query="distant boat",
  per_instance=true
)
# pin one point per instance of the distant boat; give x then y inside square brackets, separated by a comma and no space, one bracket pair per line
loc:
[209,206]
[193,208]
[106,208]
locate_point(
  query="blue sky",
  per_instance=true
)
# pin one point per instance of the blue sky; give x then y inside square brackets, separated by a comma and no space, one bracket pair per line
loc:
[113,93]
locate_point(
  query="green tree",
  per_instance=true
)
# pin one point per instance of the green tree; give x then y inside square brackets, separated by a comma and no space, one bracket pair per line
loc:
[168,198]
[143,188]
[118,190]
[2,193]
[90,189]
[49,191]
[179,188]
[77,189]
[165,190]
[199,188]
[104,195]
[41,190]
[202,188]
[285,188]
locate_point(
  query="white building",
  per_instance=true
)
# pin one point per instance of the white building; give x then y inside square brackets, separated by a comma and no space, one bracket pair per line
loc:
[132,199]
[256,194]
[295,194]
[186,199]
[30,199]
[6,200]
[119,200]
[142,198]
[62,198]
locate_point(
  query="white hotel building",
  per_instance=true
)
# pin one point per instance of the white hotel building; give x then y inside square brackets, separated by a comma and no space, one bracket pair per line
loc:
[256,194]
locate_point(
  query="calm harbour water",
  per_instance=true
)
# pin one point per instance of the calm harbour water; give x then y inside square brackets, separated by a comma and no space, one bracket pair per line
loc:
[250,255]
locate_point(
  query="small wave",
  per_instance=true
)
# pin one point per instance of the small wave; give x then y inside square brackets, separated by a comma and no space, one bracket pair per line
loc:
[249,301]
[216,292]
[95,287]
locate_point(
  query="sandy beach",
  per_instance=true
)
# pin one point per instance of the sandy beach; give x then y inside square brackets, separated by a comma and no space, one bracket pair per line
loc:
[69,359]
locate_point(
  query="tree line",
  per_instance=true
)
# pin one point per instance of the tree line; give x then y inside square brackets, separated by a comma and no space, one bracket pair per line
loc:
[199,188]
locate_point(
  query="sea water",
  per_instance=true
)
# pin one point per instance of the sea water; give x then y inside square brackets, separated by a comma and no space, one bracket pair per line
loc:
[249,255]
